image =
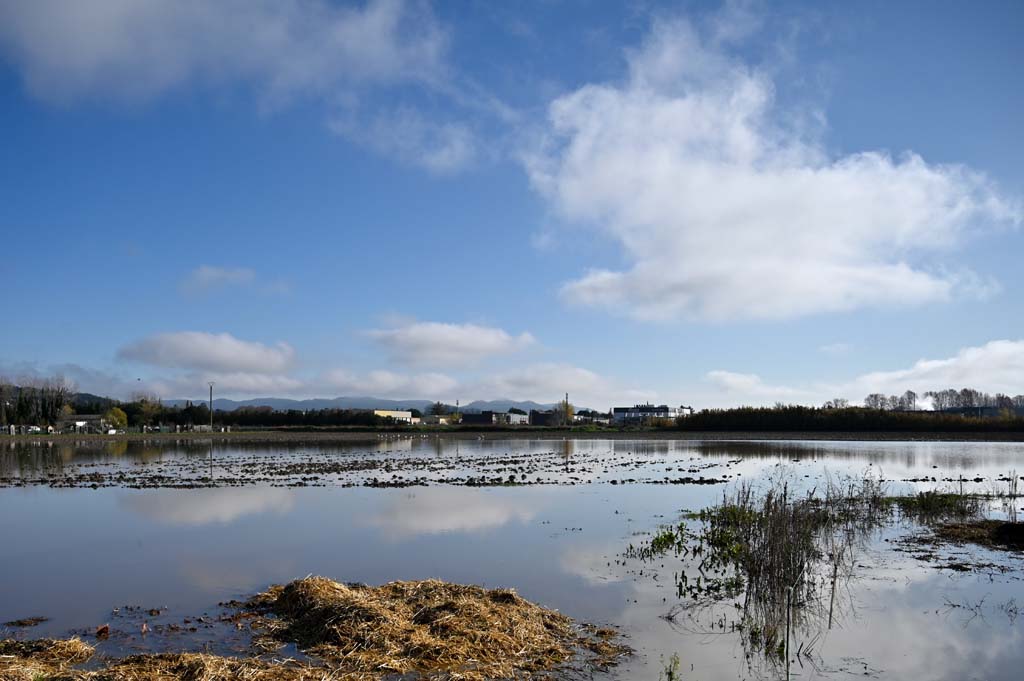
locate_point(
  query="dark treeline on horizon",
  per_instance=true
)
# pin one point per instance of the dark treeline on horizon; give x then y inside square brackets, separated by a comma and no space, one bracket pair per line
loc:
[801,418]
[47,402]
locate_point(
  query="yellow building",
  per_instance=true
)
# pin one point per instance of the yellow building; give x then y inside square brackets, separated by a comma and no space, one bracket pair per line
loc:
[400,416]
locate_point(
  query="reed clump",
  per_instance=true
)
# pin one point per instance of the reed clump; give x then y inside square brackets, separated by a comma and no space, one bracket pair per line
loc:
[430,627]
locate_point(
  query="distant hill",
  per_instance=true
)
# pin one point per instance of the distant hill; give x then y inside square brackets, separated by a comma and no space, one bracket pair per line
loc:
[504,405]
[284,404]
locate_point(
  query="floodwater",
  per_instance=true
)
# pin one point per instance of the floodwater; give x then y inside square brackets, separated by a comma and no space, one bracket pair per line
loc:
[180,527]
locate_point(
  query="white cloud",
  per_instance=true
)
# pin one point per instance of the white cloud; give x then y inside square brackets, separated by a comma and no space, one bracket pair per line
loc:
[382,383]
[206,278]
[725,211]
[408,136]
[209,278]
[221,353]
[440,344]
[835,349]
[750,386]
[69,50]
[995,367]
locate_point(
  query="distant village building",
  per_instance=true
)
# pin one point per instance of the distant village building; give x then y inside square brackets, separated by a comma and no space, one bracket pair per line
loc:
[643,413]
[82,423]
[399,416]
[436,420]
[495,418]
[591,417]
[543,418]
[517,419]
[484,418]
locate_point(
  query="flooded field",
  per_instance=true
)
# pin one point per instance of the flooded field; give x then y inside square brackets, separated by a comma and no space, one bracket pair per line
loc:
[164,536]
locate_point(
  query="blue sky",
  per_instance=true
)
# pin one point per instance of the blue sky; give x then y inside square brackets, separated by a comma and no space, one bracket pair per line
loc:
[683,202]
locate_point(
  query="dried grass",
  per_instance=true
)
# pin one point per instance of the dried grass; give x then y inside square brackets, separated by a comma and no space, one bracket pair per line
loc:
[41,658]
[428,627]
[54,660]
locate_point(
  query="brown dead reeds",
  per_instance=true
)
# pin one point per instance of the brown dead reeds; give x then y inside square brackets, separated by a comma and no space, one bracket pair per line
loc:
[429,627]
[41,658]
[52,660]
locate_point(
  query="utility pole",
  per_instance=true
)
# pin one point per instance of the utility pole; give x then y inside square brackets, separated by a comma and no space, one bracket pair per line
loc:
[211,406]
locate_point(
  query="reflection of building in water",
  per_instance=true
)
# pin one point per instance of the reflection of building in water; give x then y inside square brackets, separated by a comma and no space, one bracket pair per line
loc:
[647,446]
[394,444]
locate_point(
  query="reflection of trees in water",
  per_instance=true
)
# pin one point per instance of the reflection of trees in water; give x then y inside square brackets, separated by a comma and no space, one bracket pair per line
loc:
[909,454]
[646,447]
[20,461]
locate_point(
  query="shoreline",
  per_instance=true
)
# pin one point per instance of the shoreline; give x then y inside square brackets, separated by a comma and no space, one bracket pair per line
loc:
[356,436]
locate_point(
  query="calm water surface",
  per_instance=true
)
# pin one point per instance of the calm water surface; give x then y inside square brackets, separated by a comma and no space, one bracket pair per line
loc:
[75,554]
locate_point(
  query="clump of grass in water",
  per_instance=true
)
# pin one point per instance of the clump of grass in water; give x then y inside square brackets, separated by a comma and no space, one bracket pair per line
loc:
[670,672]
[778,553]
[933,506]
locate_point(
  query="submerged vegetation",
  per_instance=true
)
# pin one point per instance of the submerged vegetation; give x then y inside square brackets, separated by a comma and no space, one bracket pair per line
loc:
[781,559]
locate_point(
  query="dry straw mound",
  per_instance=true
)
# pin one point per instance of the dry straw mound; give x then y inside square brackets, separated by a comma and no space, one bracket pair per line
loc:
[40,659]
[50,660]
[428,627]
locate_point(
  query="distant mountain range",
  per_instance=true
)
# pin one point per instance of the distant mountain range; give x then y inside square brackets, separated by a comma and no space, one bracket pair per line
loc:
[283,404]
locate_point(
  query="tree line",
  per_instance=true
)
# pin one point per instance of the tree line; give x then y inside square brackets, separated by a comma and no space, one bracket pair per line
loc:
[37,402]
[845,418]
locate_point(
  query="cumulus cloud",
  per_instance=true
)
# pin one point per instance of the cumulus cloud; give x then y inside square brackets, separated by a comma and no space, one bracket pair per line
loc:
[69,50]
[440,344]
[724,210]
[995,367]
[749,386]
[198,350]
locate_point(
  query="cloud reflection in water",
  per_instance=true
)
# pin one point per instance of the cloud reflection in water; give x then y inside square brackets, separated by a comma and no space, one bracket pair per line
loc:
[208,506]
[436,511]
